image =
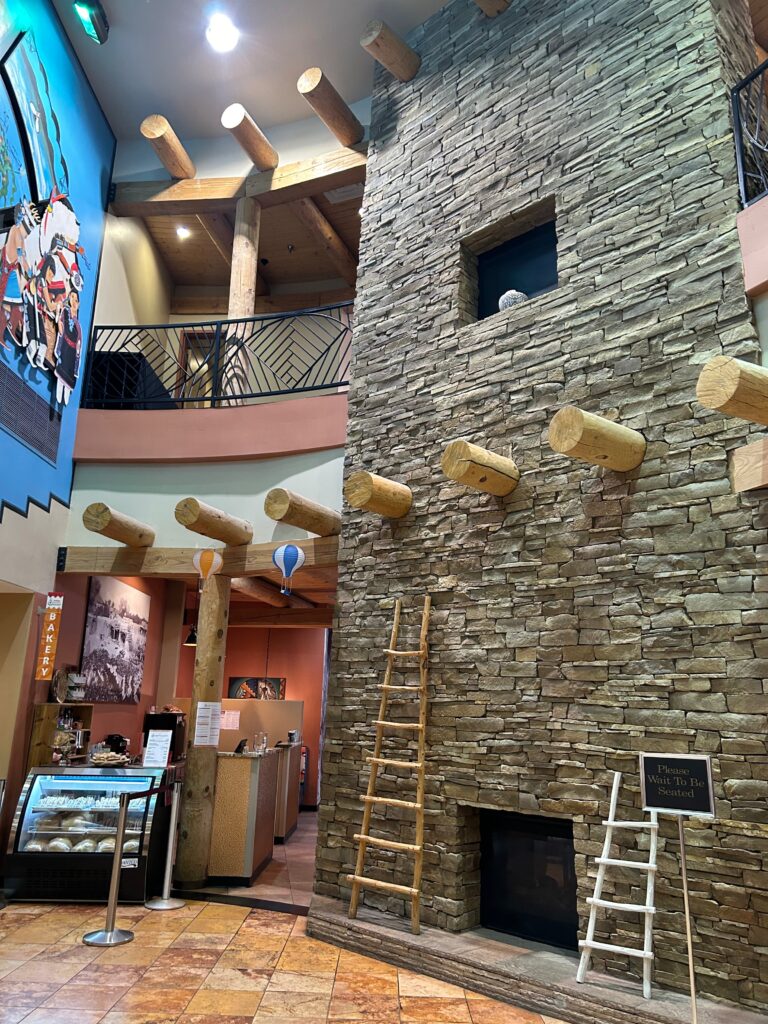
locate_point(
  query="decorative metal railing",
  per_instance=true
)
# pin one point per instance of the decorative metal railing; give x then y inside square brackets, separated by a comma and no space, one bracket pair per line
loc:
[750,125]
[218,363]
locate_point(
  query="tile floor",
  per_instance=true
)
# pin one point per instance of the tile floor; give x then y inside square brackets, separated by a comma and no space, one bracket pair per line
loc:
[212,964]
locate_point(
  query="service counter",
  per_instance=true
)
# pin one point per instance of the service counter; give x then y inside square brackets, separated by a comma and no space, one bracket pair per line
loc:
[243,816]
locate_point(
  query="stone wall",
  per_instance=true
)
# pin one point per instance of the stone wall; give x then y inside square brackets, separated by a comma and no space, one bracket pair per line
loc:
[590,615]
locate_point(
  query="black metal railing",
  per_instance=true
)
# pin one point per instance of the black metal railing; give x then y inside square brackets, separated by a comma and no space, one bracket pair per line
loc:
[218,363]
[750,125]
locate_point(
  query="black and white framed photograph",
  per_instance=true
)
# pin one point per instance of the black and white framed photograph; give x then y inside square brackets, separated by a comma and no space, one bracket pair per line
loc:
[115,642]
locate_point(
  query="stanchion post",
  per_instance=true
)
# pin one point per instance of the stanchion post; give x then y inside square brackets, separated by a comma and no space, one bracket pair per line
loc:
[684,872]
[111,936]
[166,901]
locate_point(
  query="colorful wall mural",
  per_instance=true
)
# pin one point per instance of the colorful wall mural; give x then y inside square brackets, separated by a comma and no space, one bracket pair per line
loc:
[56,152]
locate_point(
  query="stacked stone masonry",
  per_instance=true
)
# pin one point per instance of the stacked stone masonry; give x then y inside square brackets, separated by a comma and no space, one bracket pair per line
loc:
[590,615]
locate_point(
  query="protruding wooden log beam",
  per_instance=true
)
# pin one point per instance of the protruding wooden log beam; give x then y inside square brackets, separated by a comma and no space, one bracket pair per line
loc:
[294,509]
[736,388]
[322,229]
[330,107]
[268,593]
[583,435]
[253,140]
[749,466]
[477,467]
[373,493]
[493,7]
[390,51]
[212,522]
[100,518]
[166,143]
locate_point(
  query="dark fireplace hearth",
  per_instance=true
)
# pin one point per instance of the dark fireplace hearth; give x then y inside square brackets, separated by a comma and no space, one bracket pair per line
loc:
[527,877]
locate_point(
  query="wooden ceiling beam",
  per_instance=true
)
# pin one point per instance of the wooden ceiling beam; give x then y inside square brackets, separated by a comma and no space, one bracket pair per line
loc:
[332,110]
[212,522]
[191,304]
[254,142]
[242,614]
[392,52]
[101,519]
[177,563]
[328,238]
[272,188]
[157,130]
[294,509]
[493,7]
[268,593]
[222,236]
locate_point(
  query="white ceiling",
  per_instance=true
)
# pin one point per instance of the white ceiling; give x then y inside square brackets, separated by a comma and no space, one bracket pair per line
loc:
[156,59]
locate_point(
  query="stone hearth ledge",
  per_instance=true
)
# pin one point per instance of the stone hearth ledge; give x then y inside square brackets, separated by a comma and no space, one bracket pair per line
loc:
[537,980]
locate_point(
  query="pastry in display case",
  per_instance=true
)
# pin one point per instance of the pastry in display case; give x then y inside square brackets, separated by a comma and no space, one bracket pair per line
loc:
[62,842]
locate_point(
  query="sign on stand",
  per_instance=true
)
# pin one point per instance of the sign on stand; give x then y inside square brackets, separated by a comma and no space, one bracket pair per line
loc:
[158,748]
[679,784]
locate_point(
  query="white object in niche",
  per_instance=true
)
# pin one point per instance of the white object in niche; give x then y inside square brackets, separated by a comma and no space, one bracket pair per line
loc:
[510,299]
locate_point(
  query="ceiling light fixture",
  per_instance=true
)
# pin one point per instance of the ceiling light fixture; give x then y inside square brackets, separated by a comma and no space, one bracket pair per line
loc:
[222,34]
[182,232]
[93,19]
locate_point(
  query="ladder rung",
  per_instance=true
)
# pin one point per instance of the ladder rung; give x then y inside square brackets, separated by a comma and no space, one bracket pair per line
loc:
[390,801]
[632,824]
[388,686]
[374,883]
[417,726]
[387,844]
[638,865]
[639,908]
[404,654]
[607,948]
[418,765]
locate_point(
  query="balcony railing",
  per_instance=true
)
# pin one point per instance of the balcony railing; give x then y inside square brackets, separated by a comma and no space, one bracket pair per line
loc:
[750,126]
[219,363]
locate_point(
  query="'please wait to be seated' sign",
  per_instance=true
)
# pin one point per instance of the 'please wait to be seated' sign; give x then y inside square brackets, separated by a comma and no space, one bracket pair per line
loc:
[677,784]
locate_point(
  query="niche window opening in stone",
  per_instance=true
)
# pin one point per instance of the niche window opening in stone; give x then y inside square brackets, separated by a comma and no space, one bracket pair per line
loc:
[528,877]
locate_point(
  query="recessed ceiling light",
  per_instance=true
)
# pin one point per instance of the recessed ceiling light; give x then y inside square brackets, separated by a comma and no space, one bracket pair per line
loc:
[183,232]
[221,33]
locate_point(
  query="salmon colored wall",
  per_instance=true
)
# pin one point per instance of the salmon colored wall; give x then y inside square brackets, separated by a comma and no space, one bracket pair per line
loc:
[753,235]
[296,654]
[126,719]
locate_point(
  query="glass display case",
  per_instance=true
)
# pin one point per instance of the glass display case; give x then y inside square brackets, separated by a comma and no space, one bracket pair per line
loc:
[63,837]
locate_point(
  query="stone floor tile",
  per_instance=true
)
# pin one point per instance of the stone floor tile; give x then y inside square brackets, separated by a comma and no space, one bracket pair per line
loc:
[235,979]
[167,1000]
[488,1011]
[294,1005]
[56,1015]
[434,1010]
[290,981]
[76,996]
[215,1001]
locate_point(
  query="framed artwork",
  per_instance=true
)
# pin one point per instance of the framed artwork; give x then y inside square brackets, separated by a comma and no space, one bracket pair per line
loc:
[115,642]
[256,687]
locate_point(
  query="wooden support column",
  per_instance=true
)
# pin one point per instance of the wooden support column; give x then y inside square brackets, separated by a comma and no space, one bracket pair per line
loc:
[245,259]
[100,518]
[330,107]
[493,7]
[166,143]
[373,493]
[212,522]
[199,788]
[253,140]
[583,435]
[736,388]
[477,467]
[294,509]
[222,236]
[390,51]
[319,225]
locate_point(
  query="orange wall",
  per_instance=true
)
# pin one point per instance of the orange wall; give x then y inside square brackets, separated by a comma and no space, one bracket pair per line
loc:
[296,654]
[126,719]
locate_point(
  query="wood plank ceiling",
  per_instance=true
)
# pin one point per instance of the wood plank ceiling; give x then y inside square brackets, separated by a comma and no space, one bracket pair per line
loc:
[759,10]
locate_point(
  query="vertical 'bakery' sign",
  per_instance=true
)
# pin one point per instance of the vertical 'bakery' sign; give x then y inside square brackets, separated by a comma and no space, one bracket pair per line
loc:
[677,784]
[49,637]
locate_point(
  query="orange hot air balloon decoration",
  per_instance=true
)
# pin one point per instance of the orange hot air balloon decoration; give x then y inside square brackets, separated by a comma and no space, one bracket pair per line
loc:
[207,562]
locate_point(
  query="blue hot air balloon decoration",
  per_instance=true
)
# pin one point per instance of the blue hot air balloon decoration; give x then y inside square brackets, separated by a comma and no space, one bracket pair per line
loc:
[288,558]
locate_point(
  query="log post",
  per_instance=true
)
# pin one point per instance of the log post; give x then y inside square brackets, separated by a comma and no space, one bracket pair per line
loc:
[390,51]
[735,388]
[330,107]
[325,233]
[493,7]
[239,122]
[245,259]
[268,593]
[373,493]
[294,509]
[200,770]
[100,518]
[166,143]
[476,467]
[212,522]
[583,435]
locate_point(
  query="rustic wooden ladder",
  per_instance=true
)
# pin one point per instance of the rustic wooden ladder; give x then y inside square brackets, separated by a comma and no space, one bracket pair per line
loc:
[370,800]
[596,901]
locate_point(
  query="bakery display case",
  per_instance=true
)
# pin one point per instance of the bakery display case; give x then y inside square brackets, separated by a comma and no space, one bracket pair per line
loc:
[62,841]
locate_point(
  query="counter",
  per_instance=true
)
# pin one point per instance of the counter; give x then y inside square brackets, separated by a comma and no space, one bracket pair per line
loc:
[243,816]
[288,778]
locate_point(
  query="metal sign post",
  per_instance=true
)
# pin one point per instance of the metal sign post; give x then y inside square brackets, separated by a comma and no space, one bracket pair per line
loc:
[166,901]
[111,936]
[689,934]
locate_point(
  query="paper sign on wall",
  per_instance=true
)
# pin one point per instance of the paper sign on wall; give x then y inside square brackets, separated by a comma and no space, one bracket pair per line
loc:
[158,748]
[208,723]
[49,637]
[230,720]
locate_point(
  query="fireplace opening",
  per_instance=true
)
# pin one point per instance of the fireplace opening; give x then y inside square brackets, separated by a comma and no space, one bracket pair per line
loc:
[528,877]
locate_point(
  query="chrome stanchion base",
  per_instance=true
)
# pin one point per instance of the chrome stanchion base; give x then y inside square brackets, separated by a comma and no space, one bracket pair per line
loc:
[158,903]
[117,937]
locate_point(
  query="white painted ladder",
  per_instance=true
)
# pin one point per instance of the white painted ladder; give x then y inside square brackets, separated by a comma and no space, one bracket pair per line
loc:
[596,902]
